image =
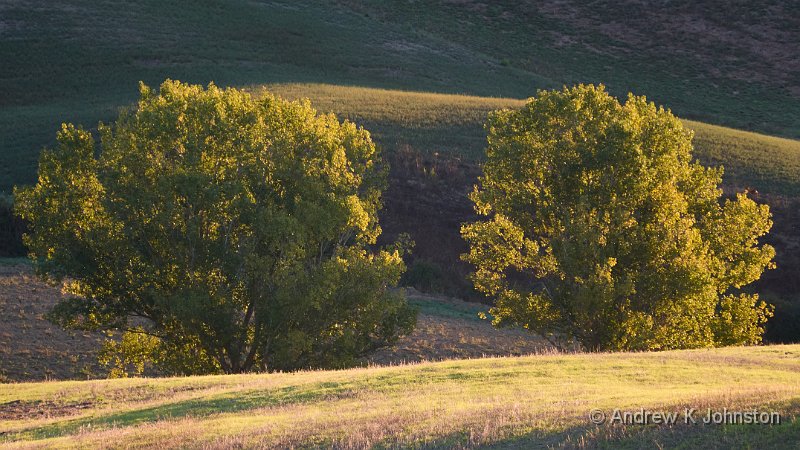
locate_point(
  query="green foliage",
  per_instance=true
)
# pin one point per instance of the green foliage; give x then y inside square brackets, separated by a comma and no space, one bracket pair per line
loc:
[425,276]
[453,125]
[450,48]
[605,231]
[137,351]
[785,326]
[129,355]
[233,227]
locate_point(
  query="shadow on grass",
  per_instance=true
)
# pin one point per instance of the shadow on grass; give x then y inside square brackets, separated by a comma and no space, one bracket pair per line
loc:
[450,309]
[238,401]
[785,435]
[199,407]
[232,402]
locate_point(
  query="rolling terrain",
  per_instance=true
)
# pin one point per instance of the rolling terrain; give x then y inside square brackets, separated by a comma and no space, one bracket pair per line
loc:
[33,349]
[422,77]
[79,61]
[518,402]
[453,125]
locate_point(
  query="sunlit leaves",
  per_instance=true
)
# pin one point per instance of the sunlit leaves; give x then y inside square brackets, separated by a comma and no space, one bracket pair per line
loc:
[603,230]
[214,219]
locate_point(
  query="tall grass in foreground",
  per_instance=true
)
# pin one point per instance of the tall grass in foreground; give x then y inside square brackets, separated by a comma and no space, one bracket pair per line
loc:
[525,401]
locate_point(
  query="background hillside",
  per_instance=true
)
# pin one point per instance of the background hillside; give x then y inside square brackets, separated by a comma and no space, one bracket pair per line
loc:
[729,63]
[422,76]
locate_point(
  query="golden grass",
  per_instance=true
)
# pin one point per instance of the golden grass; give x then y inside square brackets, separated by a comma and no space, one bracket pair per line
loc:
[432,122]
[540,399]
[409,108]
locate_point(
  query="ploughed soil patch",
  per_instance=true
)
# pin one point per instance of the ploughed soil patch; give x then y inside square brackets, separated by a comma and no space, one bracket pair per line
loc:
[19,410]
[32,348]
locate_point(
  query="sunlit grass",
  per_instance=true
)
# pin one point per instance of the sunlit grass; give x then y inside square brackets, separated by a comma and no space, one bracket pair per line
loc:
[57,69]
[431,122]
[538,399]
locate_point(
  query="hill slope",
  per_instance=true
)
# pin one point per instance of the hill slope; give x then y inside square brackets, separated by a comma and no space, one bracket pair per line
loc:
[453,124]
[505,402]
[33,349]
[80,60]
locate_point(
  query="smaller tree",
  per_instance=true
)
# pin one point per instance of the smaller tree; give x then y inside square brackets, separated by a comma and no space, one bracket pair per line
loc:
[234,231]
[603,230]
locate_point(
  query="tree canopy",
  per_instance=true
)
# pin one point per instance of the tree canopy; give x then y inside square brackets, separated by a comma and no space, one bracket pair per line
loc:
[602,229]
[233,232]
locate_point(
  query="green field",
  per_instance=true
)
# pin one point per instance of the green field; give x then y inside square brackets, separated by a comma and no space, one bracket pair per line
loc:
[421,76]
[500,402]
[454,124]
[79,61]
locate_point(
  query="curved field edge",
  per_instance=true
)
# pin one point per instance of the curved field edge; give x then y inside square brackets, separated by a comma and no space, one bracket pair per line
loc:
[543,399]
[453,124]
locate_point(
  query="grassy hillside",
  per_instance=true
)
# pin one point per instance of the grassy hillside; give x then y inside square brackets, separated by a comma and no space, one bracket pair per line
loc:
[80,60]
[454,124]
[732,62]
[507,402]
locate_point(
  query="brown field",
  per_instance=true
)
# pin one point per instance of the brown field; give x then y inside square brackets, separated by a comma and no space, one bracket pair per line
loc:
[31,348]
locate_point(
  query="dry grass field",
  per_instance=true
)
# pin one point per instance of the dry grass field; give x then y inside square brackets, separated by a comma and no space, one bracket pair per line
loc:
[404,398]
[421,77]
[519,402]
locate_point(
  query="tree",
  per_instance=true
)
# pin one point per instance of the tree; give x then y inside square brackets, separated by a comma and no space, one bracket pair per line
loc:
[234,231]
[604,231]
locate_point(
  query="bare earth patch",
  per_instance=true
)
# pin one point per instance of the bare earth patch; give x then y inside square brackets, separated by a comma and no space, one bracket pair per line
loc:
[31,348]
[18,410]
[463,335]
